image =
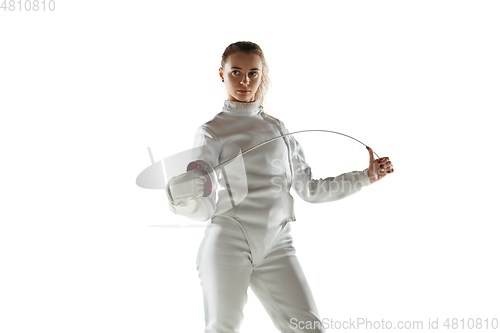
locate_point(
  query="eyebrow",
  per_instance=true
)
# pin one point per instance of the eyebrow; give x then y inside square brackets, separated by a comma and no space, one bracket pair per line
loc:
[253,69]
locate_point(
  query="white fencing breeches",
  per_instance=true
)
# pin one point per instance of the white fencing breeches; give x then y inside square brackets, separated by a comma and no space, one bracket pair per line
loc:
[226,269]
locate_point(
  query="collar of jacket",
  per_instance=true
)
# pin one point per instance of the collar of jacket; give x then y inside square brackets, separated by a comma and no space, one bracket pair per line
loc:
[241,108]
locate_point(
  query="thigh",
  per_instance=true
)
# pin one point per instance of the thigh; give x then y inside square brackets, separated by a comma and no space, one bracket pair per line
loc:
[224,269]
[281,286]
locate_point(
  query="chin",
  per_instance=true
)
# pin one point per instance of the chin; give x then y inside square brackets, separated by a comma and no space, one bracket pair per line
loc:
[243,99]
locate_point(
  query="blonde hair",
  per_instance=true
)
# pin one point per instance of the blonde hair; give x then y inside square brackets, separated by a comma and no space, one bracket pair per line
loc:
[251,48]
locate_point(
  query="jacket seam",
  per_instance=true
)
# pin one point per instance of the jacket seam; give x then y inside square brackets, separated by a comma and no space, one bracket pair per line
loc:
[278,125]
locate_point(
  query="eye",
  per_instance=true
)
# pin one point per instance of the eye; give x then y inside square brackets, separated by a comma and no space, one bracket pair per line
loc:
[235,71]
[255,74]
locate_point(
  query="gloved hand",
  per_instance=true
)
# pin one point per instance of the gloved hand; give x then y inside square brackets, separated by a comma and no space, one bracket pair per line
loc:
[187,186]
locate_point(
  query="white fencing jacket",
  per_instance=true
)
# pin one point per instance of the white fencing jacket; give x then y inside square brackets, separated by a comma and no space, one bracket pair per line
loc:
[271,170]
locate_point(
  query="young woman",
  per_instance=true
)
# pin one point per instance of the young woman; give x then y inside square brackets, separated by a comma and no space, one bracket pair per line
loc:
[250,243]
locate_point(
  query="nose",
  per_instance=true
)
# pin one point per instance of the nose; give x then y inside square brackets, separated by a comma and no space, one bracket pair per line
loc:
[245,80]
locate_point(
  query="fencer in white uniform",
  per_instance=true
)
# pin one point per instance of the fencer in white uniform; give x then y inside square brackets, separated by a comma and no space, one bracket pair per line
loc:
[250,243]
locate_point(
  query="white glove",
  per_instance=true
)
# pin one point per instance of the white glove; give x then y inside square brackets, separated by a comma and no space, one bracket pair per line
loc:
[187,186]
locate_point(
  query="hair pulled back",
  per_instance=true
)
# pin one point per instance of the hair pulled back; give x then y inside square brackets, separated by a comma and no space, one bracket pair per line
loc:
[251,48]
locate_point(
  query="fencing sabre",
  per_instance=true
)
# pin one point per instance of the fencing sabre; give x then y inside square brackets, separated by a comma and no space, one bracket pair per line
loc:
[209,171]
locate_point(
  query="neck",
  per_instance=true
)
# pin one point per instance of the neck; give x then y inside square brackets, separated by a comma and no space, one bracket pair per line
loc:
[242,108]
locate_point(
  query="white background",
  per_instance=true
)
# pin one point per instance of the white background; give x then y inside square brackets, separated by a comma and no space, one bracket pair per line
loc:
[85,90]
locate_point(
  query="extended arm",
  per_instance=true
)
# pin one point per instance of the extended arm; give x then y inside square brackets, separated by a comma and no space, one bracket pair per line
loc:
[323,190]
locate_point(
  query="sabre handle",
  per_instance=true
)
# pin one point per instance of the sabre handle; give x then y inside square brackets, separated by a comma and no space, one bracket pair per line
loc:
[208,173]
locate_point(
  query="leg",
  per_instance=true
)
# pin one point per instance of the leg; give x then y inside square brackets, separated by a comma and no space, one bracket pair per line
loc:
[280,285]
[224,269]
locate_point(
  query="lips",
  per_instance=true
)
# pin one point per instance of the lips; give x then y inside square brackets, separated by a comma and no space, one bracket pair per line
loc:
[243,91]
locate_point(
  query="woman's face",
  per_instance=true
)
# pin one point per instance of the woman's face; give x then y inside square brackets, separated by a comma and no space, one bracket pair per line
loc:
[242,75]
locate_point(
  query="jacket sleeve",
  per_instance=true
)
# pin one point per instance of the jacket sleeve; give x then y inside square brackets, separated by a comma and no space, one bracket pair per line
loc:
[322,190]
[207,148]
